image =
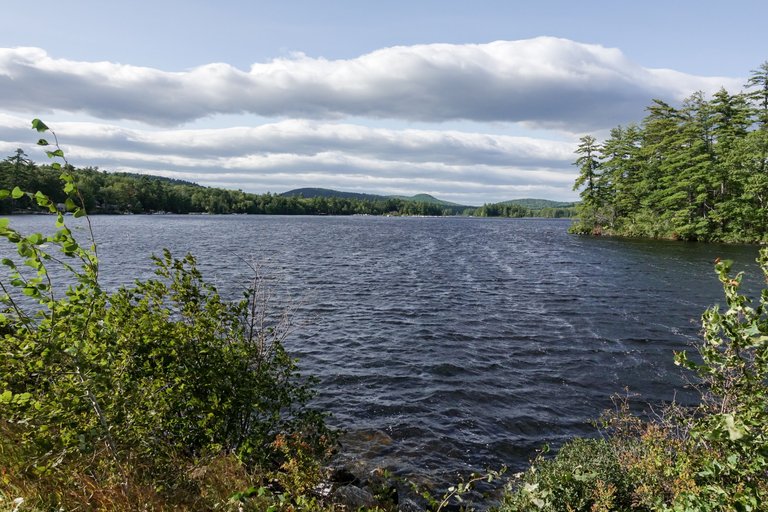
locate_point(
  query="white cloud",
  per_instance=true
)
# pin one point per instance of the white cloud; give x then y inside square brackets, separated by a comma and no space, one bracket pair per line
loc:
[304,136]
[543,81]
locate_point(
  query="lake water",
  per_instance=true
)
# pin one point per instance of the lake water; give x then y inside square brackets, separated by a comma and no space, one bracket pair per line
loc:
[448,345]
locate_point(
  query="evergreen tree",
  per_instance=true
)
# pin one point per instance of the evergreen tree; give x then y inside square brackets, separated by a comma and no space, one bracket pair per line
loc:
[588,181]
[588,169]
[759,96]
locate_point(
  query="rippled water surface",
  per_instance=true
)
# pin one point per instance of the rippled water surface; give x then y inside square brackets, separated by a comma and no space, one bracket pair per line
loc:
[452,344]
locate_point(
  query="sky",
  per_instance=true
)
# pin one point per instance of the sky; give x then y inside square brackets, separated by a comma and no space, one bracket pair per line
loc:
[471,102]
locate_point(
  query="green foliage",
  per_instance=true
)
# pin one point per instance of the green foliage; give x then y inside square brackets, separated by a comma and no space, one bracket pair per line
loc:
[732,424]
[585,475]
[517,209]
[502,210]
[694,172]
[539,204]
[133,385]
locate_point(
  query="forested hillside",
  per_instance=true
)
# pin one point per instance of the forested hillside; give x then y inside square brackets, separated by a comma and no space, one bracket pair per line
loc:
[117,193]
[694,172]
[314,193]
[120,193]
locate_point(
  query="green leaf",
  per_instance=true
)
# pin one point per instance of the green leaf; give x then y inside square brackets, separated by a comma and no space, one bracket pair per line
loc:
[752,330]
[528,487]
[6,397]
[17,193]
[24,249]
[734,432]
[4,193]
[42,142]
[69,204]
[79,213]
[54,154]
[69,187]
[22,398]
[42,199]
[39,125]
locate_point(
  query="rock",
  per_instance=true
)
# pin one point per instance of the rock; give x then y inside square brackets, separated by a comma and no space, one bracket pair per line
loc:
[353,497]
[408,505]
[323,489]
[342,476]
[365,443]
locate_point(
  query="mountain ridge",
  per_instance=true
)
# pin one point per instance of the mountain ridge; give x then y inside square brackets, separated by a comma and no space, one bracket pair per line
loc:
[312,192]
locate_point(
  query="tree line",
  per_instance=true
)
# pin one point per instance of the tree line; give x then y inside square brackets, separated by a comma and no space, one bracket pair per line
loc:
[512,210]
[121,193]
[694,172]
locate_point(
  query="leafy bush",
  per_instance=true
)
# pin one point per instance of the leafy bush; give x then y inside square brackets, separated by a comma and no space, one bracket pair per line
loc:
[710,457]
[585,475]
[145,385]
[731,425]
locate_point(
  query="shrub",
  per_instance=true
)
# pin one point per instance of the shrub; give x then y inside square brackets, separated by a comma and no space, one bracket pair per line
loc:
[731,425]
[585,475]
[142,385]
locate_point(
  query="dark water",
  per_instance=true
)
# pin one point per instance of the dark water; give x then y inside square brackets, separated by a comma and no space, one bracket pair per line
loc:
[450,345]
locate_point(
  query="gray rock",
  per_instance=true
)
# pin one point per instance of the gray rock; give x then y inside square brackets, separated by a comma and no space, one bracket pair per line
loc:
[353,497]
[408,505]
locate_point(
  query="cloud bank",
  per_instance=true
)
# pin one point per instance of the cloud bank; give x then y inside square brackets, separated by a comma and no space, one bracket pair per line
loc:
[544,82]
[320,120]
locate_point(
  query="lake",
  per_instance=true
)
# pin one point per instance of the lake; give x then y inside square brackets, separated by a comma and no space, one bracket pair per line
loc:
[448,345]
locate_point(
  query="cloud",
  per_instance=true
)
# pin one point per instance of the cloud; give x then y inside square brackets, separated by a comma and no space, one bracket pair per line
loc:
[544,81]
[541,83]
[473,167]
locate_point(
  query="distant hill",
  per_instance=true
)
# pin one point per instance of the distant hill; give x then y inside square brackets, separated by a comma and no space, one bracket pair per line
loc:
[426,198]
[534,205]
[539,204]
[325,192]
[153,177]
[311,192]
